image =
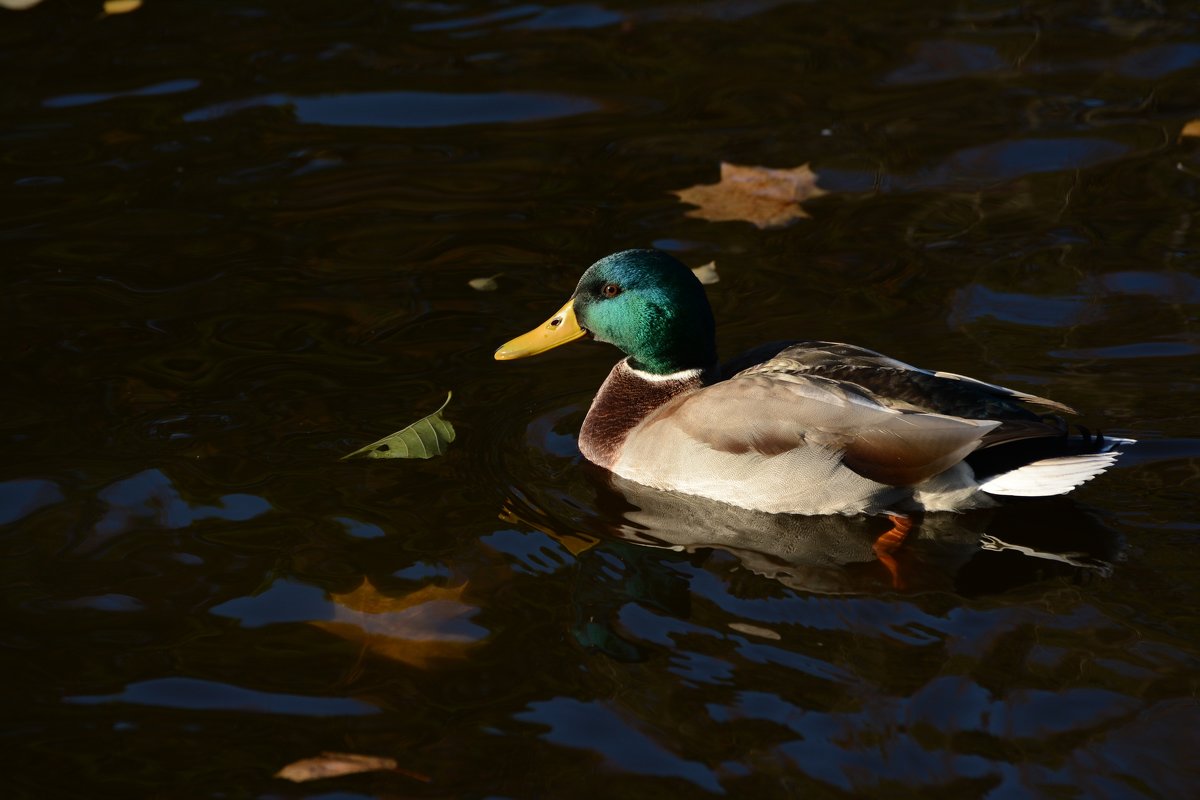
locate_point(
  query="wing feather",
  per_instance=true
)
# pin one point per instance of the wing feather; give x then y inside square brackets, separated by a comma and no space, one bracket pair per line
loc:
[894,383]
[768,415]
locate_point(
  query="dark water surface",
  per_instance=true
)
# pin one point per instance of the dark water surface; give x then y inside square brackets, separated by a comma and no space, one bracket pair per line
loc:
[237,239]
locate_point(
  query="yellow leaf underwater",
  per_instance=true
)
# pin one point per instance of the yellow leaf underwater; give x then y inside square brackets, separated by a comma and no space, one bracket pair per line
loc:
[420,628]
[331,765]
[367,599]
[425,438]
[1190,130]
[575,542]
[768,198]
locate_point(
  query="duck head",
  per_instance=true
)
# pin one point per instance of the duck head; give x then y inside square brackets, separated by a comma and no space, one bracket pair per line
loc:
[644,302]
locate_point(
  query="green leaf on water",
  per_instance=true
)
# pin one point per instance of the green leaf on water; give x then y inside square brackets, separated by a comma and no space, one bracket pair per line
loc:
[425,438]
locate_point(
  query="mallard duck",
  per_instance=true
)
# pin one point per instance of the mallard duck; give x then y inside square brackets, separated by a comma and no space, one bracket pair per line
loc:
[807,427]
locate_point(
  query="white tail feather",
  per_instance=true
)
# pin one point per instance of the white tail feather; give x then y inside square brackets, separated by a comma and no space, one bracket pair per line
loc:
[1050,476]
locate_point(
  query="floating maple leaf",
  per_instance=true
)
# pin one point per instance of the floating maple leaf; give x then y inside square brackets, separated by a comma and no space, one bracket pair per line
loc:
[768,198]
[430,624]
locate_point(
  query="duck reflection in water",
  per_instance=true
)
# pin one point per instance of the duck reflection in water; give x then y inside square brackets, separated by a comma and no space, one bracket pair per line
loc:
[659,541]
[980,552]
[974,553]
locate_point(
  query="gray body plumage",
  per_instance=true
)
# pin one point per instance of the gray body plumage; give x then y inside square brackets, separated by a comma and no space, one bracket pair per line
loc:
[817,428]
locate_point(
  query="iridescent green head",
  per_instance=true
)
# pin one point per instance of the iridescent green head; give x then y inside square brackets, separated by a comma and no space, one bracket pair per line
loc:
[650,306]
[643,301]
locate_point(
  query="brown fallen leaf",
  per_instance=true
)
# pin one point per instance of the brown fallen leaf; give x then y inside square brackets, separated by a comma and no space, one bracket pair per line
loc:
[1190,130]
[429,625]
[768,198]
[331,765]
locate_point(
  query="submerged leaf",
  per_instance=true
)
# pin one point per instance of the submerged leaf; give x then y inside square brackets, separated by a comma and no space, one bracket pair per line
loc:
[485,284]
[331,765]
[421,628]
[366,599]
[425,438]
[575,542]
[707,273]
[1191,129]
[768,198]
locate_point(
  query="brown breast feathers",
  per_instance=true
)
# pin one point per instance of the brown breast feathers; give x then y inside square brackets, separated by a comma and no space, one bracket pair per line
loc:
[625,399]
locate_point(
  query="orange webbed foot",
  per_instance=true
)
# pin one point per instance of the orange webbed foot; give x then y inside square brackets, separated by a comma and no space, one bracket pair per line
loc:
[889,543]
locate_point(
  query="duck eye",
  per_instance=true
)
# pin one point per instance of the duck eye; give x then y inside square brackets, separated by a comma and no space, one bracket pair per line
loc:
[610,290]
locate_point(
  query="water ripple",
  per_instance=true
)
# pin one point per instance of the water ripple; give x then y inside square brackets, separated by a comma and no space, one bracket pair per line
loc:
[203,695]
[165,87]
[595,727]
[410,109]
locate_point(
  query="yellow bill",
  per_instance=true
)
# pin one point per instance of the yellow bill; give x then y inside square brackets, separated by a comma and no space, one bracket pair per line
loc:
[559,329]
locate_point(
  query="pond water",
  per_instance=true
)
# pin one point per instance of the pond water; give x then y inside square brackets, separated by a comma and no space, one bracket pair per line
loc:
[237,241]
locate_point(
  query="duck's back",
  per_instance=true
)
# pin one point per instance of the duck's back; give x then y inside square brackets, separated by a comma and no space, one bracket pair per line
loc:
[891,382]
[792,440]
[822,427]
